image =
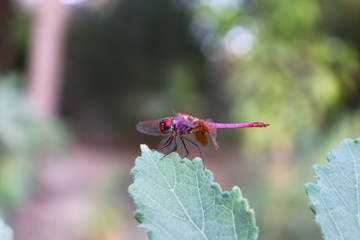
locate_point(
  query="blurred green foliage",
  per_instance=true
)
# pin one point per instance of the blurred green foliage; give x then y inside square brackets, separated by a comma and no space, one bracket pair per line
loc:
[23,139]
[125,62]
[143,59]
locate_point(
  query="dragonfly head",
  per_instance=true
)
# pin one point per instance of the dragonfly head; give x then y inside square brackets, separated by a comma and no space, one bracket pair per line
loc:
[166,126]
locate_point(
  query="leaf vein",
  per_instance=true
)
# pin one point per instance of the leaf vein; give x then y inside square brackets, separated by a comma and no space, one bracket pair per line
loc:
[331,216]
[178,200]
[337,164]
[159,226]
[200,200]
[356,182]
[342,199]
[233,219]
[160,206]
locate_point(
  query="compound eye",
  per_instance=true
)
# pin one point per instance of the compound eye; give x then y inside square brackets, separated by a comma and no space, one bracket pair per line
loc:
[166,126]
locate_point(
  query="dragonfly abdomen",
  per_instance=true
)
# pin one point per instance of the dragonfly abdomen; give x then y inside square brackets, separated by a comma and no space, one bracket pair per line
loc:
[236,125]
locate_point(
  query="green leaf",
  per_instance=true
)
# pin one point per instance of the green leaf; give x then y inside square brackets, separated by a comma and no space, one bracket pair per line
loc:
[5,232]
[335,198]
[177,199]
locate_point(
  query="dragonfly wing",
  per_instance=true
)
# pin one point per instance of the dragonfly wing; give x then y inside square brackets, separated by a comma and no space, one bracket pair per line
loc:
[212,132]
[149,128]
[176,113]
[201,138]
[213,138]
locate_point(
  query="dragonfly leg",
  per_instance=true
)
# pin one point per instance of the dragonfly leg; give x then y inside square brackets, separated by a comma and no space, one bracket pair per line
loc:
[167,143]
[187,151]
[182,137]
[174,149]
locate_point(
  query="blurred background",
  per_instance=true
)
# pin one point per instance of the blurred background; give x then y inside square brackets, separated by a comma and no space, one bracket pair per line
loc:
[77,75]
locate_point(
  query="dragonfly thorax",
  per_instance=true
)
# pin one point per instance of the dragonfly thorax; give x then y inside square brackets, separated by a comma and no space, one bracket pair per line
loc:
[166,126]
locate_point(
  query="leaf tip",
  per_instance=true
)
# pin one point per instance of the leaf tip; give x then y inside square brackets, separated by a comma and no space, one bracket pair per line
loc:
[319,170]
[236,192]
[132,188]
[199,161]
[312,189]
[348,140]
[144,148]
[139,216]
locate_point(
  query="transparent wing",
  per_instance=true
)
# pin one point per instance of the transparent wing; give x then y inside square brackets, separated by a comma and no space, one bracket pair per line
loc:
[212,132]
[149,128]
[178,114]
[213,135]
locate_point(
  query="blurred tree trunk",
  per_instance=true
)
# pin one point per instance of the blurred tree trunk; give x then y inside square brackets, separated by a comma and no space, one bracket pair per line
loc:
[46,57]
[5,47]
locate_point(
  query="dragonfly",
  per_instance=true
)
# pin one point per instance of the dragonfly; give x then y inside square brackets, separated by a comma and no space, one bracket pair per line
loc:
[179,127]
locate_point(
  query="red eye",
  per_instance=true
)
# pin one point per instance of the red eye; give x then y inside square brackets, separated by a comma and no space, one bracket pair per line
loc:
[166,126]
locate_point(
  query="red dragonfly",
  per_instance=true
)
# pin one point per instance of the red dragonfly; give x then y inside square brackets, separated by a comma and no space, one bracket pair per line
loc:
[181,125]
